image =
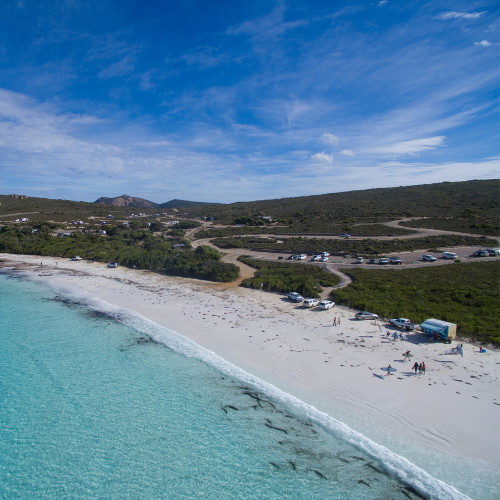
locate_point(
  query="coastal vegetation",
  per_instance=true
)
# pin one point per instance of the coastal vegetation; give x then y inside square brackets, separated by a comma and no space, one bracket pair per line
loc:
[318,227]
[306,279]
[366,246]
[130,247]
[477,200]
[465,294]
[473,226]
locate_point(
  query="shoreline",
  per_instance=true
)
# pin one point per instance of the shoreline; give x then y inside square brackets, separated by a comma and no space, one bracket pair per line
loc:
[451,412]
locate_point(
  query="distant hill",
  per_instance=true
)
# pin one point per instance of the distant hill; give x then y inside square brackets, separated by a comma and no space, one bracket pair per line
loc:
[182,204]
[130,201]
[126,201]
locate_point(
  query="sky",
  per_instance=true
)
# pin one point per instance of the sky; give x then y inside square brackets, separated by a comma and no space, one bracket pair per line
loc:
[228,101]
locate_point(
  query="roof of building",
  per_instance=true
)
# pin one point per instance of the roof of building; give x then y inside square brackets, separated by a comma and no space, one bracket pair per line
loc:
[435,324]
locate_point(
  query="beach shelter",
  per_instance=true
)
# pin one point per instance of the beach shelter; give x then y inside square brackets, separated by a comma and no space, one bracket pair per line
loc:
[437,328]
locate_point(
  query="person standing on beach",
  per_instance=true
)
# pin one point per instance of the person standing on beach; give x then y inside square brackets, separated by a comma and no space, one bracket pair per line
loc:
[389,370]
[423,368]
[334,321]
[338,321]
[420,369]
[415,367]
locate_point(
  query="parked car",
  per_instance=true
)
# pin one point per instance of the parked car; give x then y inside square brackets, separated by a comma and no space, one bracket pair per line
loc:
[449,255]
[481,253]
[403,323]
[326,304]
[383,260]
[373,261]
[315,258]
[281,257]
[345,235]
[325,254]
[494,252]
[296,297]
[310,302]
[366,315]
[323,259]
[76,257]
[395,260]
[302,256]
[429,258]
[113,264]
[292,257]
[360,260]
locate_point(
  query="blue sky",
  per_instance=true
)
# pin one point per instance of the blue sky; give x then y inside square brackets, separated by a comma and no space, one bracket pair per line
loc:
[231,101]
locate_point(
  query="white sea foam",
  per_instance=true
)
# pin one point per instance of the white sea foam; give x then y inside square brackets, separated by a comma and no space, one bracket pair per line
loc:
[394,464]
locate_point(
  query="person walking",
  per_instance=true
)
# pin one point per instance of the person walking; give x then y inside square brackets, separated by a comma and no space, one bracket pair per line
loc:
[389,370]
[415,367]
[420,369]
[423,368]
[334,321]
[338,321]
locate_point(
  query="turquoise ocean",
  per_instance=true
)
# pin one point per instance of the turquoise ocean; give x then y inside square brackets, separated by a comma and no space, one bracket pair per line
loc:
[97,402]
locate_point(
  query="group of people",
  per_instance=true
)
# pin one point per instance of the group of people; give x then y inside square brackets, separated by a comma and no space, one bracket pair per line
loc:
[420,367]
[336,321]
[395,335]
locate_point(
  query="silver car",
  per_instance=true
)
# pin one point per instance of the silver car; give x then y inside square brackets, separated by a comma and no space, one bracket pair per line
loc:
[366,315]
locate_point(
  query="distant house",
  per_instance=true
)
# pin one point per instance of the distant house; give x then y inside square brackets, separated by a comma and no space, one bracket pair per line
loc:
[267,218]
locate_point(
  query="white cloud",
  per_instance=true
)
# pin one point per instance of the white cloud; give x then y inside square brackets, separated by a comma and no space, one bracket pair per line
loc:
[382,3]
[411,147]
[323,157]
[484,43]
[460,15]
[347,152]
[330,139]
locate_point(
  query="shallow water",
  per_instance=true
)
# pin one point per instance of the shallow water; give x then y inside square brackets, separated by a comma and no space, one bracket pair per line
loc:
[100,403]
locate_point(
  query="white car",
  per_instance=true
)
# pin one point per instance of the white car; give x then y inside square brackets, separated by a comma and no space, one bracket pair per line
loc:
[76,258]
[302,256]
[429,258]
[113,264]
[310,302]
[383,261]
[366,315]
[315,258]
[296,297]
[345,235]
[323,259]
[325,254]
[360,260]
[326,304]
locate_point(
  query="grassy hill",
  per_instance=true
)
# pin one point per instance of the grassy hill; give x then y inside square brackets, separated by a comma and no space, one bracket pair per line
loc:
[476,201]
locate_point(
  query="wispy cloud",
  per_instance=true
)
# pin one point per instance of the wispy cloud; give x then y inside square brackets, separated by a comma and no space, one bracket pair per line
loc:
[322,157]
[347,152]
[330,139]
[483,43]
[460,15]
[411,147]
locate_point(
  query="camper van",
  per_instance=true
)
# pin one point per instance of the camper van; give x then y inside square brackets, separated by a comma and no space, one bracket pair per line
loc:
[449,255]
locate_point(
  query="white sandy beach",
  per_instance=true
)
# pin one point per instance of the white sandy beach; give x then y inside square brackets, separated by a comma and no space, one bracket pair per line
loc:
[452,410]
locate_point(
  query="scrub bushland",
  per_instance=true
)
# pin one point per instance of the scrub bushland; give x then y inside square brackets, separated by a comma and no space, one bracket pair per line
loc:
[287,277]
[366,246]
[140,248]
[463,293]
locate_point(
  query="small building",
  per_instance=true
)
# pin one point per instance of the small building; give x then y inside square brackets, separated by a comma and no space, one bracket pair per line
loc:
[437,328]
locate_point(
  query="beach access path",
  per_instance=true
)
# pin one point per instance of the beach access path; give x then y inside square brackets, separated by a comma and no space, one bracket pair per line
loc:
[454,409]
